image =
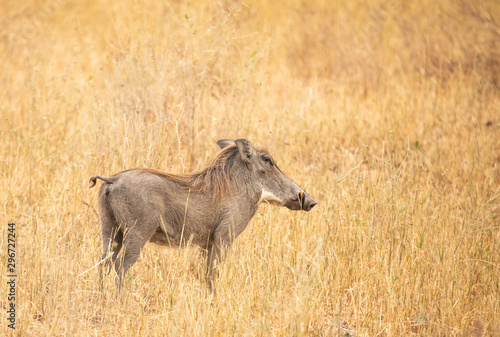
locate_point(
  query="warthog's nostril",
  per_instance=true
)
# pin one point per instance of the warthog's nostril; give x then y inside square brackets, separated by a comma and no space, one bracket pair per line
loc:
[312,204]
[309,203]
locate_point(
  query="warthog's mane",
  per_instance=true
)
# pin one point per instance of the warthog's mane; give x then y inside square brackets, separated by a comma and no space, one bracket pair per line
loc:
[213,178]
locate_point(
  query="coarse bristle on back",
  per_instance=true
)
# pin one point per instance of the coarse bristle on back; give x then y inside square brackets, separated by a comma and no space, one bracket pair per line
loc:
[214,178]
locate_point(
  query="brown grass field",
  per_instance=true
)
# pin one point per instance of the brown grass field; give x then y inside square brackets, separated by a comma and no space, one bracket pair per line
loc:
[386,112]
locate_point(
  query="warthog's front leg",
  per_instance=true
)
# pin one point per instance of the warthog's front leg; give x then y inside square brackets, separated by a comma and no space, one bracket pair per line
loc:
[216,250]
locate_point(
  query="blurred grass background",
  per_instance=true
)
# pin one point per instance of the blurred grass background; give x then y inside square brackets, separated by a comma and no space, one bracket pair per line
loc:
[386,112]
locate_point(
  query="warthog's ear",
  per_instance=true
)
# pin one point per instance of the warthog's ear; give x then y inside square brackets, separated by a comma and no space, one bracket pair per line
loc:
[245,148]
[225,143]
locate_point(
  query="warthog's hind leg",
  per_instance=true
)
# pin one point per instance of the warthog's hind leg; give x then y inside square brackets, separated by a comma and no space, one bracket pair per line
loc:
[134,240]
[112,241]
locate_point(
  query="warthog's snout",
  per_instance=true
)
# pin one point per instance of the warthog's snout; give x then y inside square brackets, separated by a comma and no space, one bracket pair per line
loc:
[301,202]
[308,203]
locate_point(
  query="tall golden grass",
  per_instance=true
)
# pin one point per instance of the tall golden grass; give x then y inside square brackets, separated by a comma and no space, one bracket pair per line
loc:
[387,112]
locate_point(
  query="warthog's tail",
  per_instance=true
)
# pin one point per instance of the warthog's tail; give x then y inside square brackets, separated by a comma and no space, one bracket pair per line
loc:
[108,180]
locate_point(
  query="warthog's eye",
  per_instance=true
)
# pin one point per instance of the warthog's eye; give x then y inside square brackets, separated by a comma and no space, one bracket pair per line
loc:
[267,158]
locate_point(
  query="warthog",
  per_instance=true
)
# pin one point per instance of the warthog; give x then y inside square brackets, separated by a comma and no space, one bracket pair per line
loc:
[208,208]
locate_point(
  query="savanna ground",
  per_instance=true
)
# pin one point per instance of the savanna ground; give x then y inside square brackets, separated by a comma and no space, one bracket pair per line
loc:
[386,112]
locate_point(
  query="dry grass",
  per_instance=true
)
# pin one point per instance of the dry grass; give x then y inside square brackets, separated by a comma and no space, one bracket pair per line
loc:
[387,113]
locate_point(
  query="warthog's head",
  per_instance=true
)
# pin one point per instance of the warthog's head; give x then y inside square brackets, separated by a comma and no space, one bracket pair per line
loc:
[275,187]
